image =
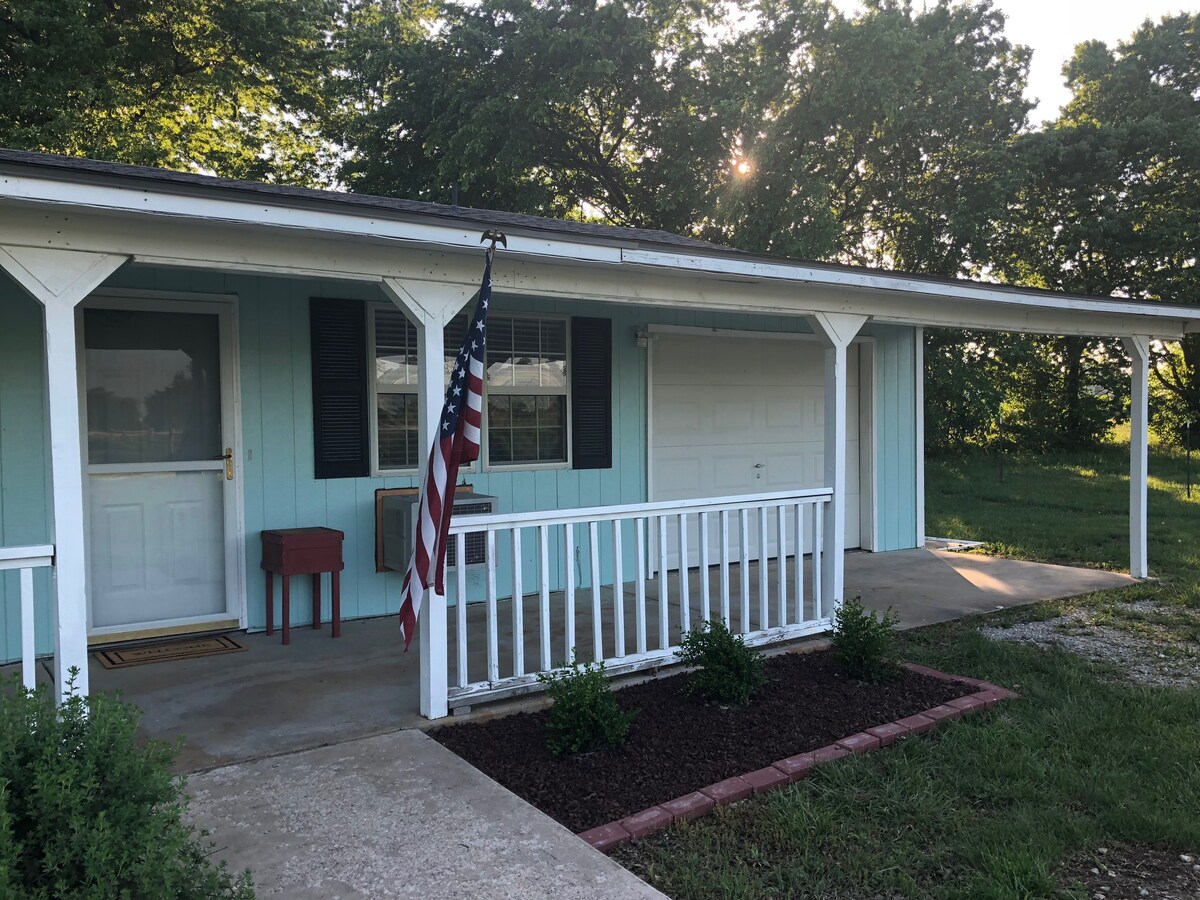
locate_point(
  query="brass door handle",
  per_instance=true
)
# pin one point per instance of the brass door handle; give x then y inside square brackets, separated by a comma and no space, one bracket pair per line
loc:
[228,463]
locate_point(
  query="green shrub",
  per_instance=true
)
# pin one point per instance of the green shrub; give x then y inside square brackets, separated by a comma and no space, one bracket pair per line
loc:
[86,814]
[729,672]
[585,715]
[863,642]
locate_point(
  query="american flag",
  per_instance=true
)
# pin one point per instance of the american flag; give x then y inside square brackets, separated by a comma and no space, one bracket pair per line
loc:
[457,442]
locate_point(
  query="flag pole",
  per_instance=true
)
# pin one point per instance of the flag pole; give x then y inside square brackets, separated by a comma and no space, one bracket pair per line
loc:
[457,440]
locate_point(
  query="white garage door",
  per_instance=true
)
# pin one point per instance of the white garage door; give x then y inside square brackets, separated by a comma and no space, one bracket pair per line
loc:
[745,416]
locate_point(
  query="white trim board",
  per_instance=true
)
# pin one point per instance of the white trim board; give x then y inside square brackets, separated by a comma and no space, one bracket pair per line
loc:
[195,242]
[919,411]
[742,333]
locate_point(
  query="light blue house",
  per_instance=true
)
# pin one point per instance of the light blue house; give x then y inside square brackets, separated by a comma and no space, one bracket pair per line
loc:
[187,361]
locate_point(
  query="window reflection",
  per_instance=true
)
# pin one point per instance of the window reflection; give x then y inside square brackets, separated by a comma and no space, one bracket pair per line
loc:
[153,386]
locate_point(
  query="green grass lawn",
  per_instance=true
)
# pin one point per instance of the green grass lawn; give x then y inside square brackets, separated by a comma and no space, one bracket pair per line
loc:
[993,806]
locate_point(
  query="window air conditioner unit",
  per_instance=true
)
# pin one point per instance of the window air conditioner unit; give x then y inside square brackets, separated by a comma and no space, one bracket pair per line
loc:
[399,513]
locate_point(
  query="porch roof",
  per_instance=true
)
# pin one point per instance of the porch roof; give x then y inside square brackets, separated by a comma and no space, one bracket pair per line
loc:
[395,237]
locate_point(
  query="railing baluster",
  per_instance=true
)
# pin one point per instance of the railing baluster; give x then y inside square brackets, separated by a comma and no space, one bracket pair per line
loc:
[800,562]
[597,606]
[639,584]
[775,610]
[705,599]
[518,606]
[544,595]
[569,590]
[781,573]
[744,568]
[28,645]
[685,596]
[664,599]
[460,605]
[764,560]
[725,567]
[818,550]
[493,631]
[618,593]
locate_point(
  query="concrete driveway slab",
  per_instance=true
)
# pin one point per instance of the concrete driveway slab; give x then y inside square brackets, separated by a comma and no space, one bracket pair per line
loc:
[394,816]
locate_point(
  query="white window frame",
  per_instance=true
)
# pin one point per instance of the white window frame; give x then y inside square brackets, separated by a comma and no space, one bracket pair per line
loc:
[524,391]
[484,464]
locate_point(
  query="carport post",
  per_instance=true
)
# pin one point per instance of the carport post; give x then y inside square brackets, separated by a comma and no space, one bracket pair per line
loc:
[429,306]
[1138,348]
[60,280]
[836,331]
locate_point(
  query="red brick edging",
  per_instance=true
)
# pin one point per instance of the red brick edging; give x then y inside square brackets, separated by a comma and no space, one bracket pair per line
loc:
[783,772]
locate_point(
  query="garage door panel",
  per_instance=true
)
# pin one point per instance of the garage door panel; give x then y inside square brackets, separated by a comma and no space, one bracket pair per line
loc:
[739,416]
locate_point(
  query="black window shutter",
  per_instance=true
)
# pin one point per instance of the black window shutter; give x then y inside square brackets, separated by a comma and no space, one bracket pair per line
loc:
[341,439]
[591,393]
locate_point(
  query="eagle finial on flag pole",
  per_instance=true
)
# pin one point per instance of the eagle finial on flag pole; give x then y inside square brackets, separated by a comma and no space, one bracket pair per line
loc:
[457,441]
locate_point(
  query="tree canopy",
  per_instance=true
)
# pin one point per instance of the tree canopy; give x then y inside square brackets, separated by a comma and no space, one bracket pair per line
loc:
[227,86]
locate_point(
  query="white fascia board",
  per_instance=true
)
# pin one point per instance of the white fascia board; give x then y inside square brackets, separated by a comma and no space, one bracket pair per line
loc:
[182,230]
[879,281]
[260,212]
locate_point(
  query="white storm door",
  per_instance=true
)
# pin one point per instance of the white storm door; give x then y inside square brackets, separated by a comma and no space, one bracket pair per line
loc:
[737,416]
[160,465]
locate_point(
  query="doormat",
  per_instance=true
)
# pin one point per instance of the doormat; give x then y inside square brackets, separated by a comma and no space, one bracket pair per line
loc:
[169,651]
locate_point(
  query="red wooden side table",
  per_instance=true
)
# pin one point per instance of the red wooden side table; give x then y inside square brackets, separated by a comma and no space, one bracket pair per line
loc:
[303,551]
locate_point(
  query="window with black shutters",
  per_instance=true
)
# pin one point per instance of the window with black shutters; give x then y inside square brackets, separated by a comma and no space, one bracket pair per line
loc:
[536,413]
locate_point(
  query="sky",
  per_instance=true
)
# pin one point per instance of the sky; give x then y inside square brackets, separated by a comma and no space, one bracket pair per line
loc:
[1052,28]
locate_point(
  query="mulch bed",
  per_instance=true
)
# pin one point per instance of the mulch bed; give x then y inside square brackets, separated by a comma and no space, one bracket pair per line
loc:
[678,743]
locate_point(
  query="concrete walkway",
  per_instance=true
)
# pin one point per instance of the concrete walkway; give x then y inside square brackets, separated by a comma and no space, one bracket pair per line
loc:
[395,815]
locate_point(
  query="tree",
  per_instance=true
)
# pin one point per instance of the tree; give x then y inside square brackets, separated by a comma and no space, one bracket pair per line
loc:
[227,86]
[879,140]
[1110,204]
[548,107]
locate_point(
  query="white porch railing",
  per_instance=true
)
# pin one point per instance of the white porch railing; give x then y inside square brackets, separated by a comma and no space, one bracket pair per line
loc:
[25,560]
[633,622]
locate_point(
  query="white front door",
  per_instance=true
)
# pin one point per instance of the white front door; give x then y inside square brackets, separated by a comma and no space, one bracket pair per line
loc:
[734,416]
[160,465]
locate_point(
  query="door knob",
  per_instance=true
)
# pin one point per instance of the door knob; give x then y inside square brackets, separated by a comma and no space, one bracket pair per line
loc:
[758,465]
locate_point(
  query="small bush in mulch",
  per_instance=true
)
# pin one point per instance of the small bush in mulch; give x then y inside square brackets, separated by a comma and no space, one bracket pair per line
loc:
[680,743]
[727,670]
[864,642]
[585,715]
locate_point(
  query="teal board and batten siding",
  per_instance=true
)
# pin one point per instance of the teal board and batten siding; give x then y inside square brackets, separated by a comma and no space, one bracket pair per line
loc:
[895,435]
[277,461]
[24,462]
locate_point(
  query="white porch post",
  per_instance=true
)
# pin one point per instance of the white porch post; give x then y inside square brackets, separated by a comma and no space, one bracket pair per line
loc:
[836,331]
[1138,348]
[430,305]
[60,280]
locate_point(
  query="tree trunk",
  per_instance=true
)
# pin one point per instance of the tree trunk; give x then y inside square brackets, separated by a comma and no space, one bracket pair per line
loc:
[1072,423]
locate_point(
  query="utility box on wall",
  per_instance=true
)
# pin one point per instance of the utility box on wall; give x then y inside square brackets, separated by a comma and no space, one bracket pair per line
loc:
[399,514]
